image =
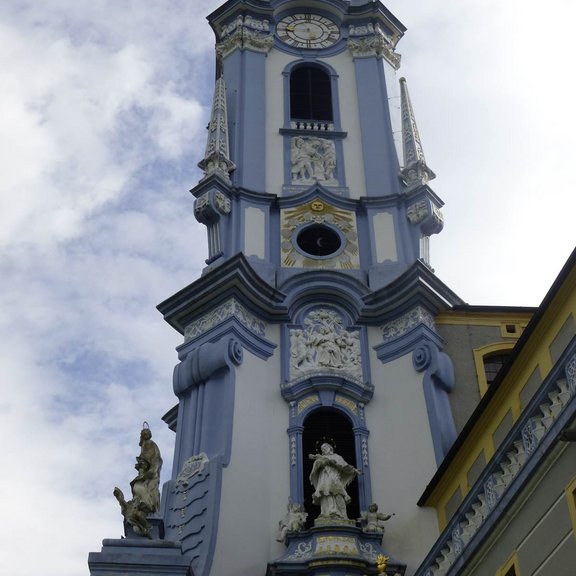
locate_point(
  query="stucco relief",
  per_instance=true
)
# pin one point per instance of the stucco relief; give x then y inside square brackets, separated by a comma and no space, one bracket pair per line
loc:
[313,160]
[369,41]
[417,212]
[194,465]
[323,346]
[319,212]
[245,33]
[406,322]
[247,21]
[230,308]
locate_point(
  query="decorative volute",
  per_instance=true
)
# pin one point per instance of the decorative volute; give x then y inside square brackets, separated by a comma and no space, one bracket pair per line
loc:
[415,170]
[217,156]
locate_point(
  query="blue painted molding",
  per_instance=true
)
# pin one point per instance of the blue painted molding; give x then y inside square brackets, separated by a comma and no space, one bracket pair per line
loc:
[234,278]
[204,382]
[381,164]
[244,71]
[192,513]
[438,383]
[357,392]
[204,385]
[416,286]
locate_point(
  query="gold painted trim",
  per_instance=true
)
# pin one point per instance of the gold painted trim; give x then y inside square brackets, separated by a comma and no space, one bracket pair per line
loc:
[511,567]
[487,319]
[570,492]
[480,353]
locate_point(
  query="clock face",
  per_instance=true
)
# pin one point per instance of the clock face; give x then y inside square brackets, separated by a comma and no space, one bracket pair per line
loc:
[307,31]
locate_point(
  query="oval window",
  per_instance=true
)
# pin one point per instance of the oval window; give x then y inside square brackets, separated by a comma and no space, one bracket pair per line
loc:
[318,240]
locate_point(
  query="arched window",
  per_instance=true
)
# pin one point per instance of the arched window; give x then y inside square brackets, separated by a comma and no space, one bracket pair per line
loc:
[489,359]
[328,425]
[493,363]
[310,94]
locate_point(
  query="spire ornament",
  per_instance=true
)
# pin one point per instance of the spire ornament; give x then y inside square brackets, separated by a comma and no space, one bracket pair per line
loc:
[217,156]
[415,170]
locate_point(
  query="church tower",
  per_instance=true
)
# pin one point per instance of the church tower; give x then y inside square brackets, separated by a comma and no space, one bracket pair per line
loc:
[313,320]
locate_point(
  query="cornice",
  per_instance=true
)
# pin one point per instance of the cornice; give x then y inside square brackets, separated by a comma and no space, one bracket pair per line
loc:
[234,278]
[418,285]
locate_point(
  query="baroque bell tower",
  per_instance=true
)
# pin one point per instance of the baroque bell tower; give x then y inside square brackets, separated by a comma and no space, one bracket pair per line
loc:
[313,320]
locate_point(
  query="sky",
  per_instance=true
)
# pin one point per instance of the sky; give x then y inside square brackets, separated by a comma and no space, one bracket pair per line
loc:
[103,108]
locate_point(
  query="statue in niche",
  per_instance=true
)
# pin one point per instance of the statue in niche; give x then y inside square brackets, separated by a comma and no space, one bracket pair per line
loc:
[145,487]
[372,520]
[330,475]
[293,521]
[313,160]
[324,345]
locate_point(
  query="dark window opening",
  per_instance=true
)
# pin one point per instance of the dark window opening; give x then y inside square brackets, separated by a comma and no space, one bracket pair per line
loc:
[310,94]
[318,240]
[328,425]
[493,363]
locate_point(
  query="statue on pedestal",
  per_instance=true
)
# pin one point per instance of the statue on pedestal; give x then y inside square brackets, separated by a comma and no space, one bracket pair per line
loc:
[330,475]
[145,487]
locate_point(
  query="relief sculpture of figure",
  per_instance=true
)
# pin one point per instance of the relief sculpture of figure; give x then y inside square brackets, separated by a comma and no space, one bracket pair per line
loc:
[313,160]
[145,487]
[302,156]
[330,475]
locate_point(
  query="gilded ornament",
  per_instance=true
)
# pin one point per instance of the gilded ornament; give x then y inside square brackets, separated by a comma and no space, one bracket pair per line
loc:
[381,563]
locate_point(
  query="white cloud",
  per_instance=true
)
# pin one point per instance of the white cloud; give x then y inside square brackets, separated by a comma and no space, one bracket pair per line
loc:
[103,106]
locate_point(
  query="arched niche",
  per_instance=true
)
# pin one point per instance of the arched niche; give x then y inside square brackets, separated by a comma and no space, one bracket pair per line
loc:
[334,417]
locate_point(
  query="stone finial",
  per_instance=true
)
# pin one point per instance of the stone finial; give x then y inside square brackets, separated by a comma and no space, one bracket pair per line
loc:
[217,156]
[415,170]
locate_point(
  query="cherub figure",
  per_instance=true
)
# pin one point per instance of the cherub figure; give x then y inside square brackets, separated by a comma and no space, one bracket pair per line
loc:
[293,521]
[372,519]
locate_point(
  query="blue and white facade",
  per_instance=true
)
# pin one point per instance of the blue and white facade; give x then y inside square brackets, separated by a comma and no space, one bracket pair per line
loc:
[314,316]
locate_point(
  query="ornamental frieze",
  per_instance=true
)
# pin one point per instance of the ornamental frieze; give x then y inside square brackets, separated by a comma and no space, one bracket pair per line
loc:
[406,322]
[230,309]
[369,41]
[245,33]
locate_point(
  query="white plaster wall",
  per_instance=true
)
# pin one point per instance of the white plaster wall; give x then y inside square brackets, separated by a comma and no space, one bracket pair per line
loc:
[254,232]
[256,484]
[384,237]
[401,456]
